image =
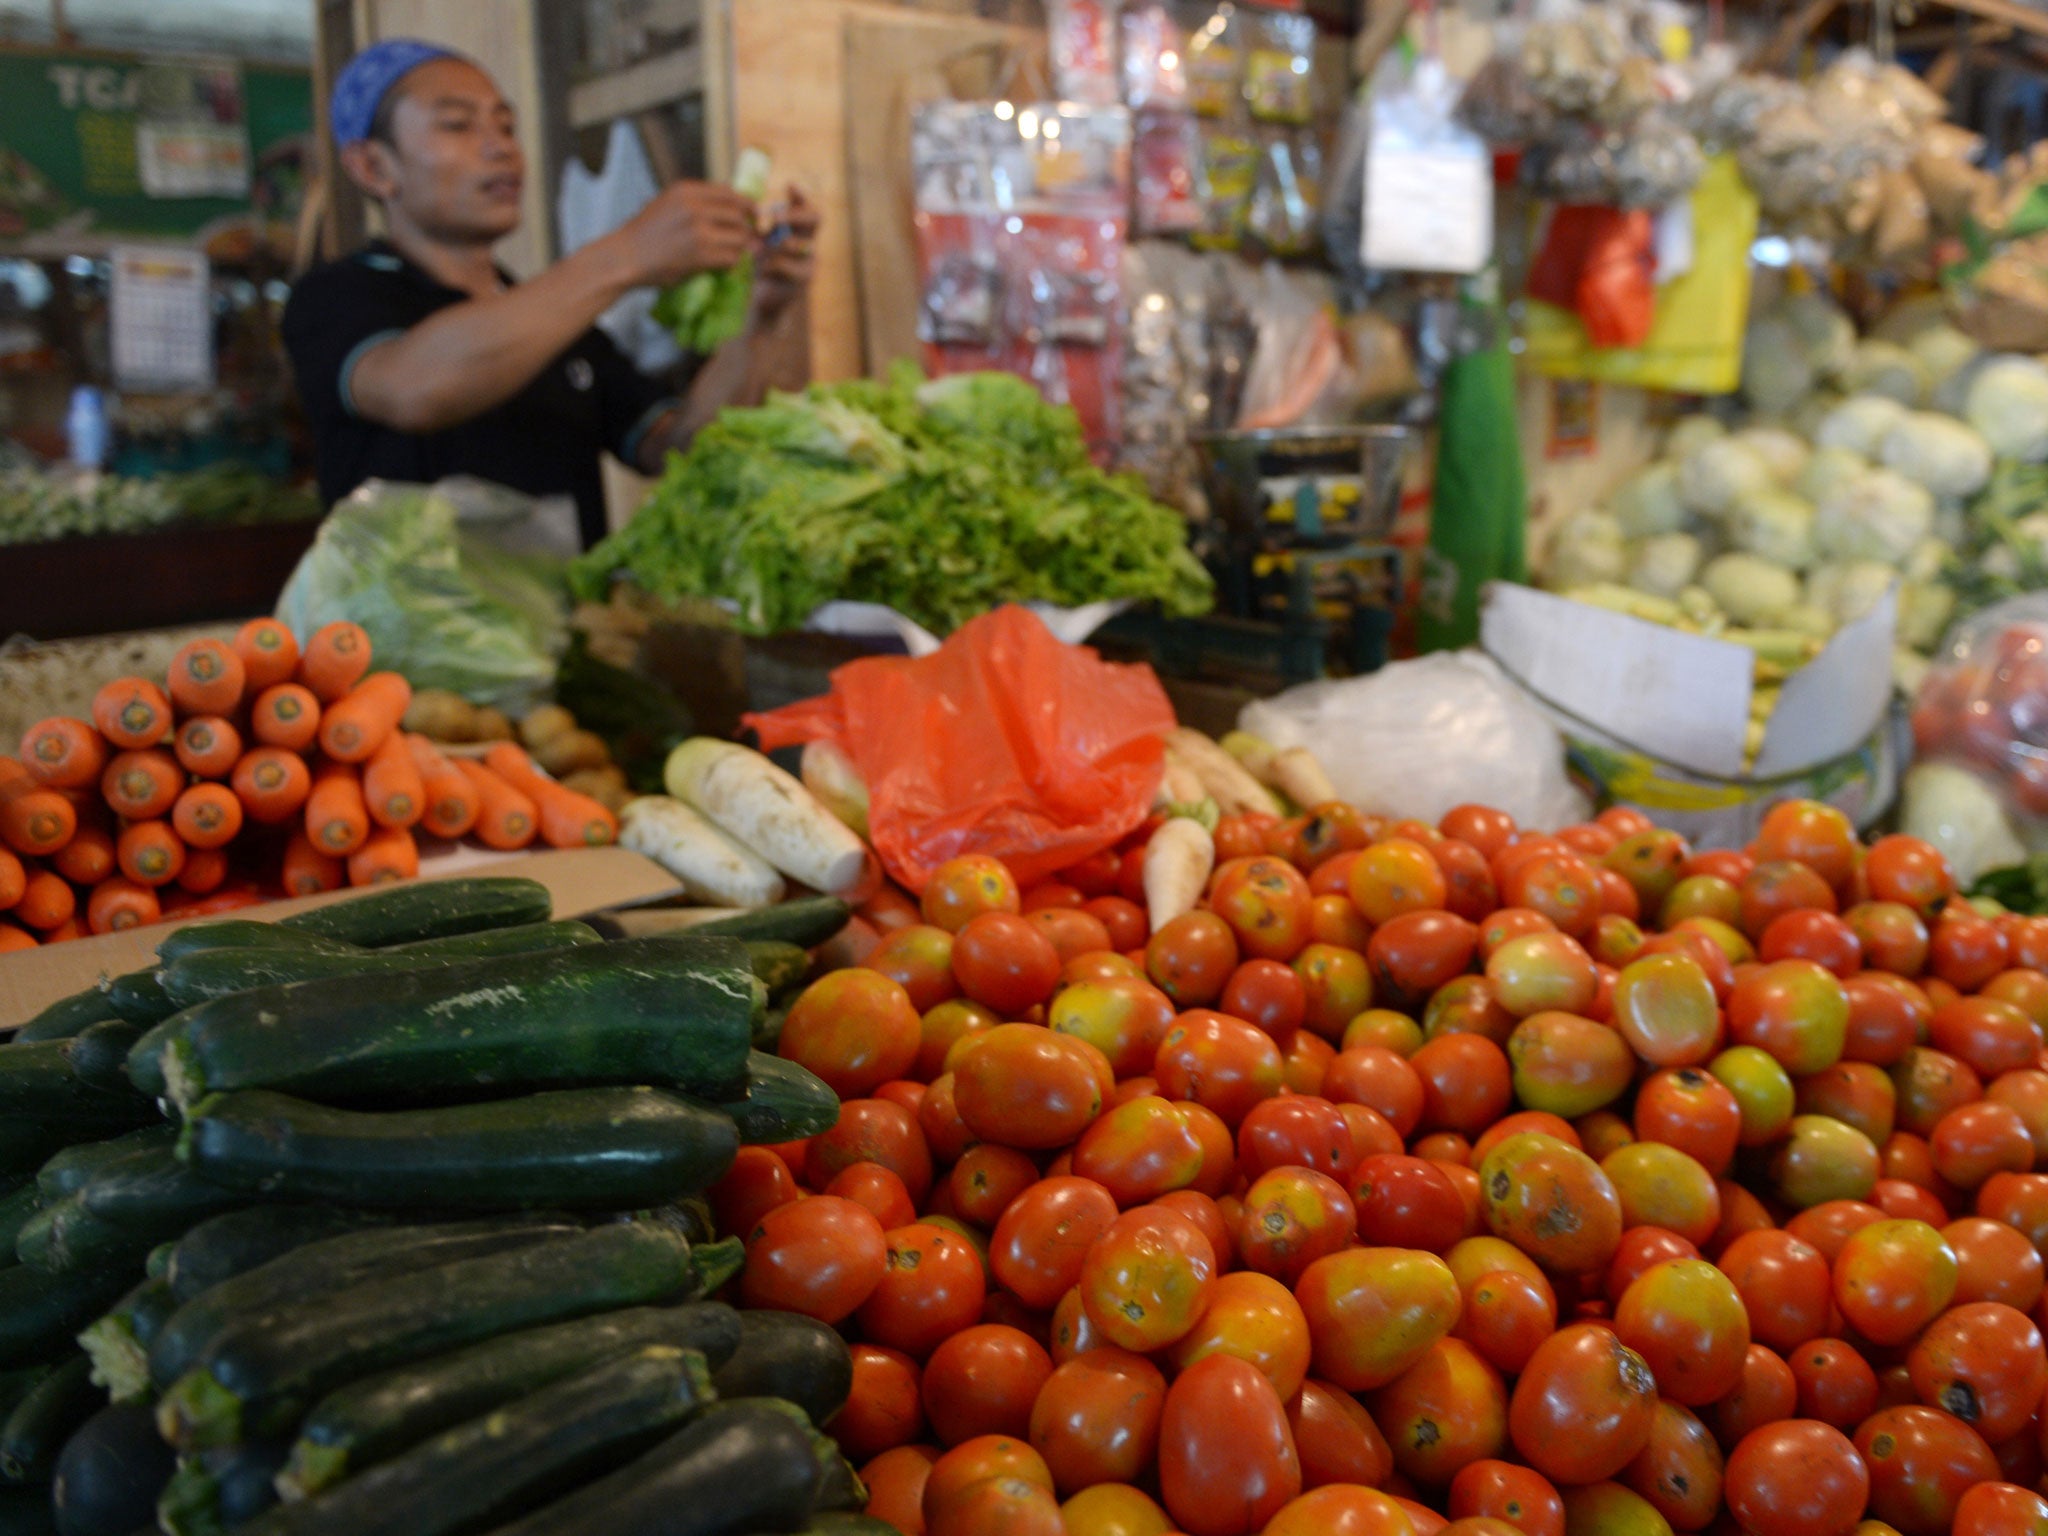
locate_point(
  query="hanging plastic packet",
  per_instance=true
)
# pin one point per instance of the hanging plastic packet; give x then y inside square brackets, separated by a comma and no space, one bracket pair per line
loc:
[1285,207]
[1166,150]
[1225,175]
[1280,50]
[1083,38]
[1428,179]
[1215,63]
[1155,55]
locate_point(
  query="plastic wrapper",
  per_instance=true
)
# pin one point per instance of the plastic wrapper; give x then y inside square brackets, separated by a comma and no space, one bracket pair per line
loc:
[1225,175]
[1215,62]
[1282,216]
[1166,152]
[1155,57]
[444,604]
[1418,737]
[1002,742]
[1086,58]
[1279,83]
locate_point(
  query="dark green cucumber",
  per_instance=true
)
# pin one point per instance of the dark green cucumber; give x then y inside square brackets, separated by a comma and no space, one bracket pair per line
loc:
[577,1149]
[17,1384]
[476,1474]
[43,1420]
[780,965]
[246,933]
[138,997]
[98,1054]
[768,1029]
[39,1311]
[36,1081]
[738,1467]
[832,1522]
[260,1375]
[790,1356]
[691,1218]
[111,1473]
[806,922]
[16,1208]
[213,1493]
[67,1239]
[146,1058]
[69,1171]
[226,1246]
[207,974]
[428,909]
[371,1420]
[783,1102]
[118,1344]
[321,1268]
[27,1512]
[25,1144]
[158,1265]
[65,1017]
[668,1012]
[155,1192]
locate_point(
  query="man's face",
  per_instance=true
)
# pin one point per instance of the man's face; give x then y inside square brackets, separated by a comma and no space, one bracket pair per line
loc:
[453,166]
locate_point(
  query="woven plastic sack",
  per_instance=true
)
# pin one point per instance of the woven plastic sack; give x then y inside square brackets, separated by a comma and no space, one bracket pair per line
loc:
[1004,741]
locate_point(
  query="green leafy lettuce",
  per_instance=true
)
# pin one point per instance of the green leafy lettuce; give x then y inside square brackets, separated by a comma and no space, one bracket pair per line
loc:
[942,499]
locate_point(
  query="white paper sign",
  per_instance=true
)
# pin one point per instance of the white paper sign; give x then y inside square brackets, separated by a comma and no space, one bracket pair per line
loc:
[162,318]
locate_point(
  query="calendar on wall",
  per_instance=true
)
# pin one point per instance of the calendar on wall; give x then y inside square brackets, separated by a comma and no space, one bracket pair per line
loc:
[161,319]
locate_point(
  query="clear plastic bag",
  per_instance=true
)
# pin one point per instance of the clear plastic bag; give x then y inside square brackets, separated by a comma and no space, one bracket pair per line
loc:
[1418,737]
[447,606]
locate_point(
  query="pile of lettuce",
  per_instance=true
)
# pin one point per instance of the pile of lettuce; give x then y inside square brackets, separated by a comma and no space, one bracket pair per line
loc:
[942,499]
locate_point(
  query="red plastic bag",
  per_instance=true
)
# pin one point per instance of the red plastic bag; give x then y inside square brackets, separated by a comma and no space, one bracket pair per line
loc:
[1004,741]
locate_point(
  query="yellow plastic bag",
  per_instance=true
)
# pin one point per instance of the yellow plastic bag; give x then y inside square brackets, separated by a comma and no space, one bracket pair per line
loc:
[1695,343]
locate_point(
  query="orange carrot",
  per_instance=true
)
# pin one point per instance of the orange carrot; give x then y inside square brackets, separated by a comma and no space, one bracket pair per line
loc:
[336,658]
[33,820]
[308,871]
[354,727]
[229,898]
[87,859]
[149,853]
[392,787]
[272,784]
[567,819]
[207,816]
[286,715]
[389,853]
[46,900]
[336,819]
[120,903]
[70,928]
[132,712]
[142,785]
[505,818]
[209,746]
[13,939]
[268,650]
[13,879]
[63,753]
[205,871]
[450,803]
[207,678]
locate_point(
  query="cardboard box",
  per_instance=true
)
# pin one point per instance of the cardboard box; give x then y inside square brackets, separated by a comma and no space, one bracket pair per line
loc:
[582,880]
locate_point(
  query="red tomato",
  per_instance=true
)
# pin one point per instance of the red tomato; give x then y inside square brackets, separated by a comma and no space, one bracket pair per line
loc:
[1121,918]
[1227,1460]
[1886,1018]
[1501,1490]
[1139,1150]
[1836,1384]
[1921,1463]
[1336,987]
[1466,1083]
[1380,1080]
[1096,1420]
[1973,1141]
[1266,903]
[1221,1063]
[986,1179]
[1796,1478]
[882,1411]
[1414,953]
[1394,877]
[1506,1315]
[1483,827]
[1642,1249]
[823,1257]
[1028,1087]
[1686,1320]
[933,1286]
[1336,1438]
[1553,1202]
[1768,1392]
[1983,1363]
[1785,1287]
[872,1131]
[1044,1236]
[2000,1509]
[1005,962]
[895,1482]
[1679,1471]
[877,1188]
[1268,994]
[854,1028]
[1985,1034]
[1443,1413]
[1298,1131]
[1255,1318]
[964,888]
[1146,1280]
[754,1185]
[1583,1407]
[1291,1218]
[1191,959]
[1692,1110]
[983,1381]
[920,959]
[1909,871]
[1073,933]
[1892,1278]
[1406,1202]
[1993,1263]
[1373,1312]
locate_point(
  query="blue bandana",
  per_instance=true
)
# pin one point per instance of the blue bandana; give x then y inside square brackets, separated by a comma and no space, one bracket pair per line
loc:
[368,77]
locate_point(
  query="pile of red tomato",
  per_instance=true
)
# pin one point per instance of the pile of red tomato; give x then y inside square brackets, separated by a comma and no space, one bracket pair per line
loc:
[1574,1184]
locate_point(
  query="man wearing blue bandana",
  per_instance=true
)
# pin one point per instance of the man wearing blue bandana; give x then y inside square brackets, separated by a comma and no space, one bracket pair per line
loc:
[418,357]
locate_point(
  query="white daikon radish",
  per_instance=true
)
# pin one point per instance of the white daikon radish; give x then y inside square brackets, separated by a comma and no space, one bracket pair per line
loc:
[1255,752]
[1178,784]
[712,866]
[1177,865]
[1229,782]
[829,773]
[1298,775]
[749,798]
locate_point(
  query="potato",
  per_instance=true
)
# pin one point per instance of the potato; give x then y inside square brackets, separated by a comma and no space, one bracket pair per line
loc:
[544,725]
[607,786]
[493,725]
[572,750]
[439,715]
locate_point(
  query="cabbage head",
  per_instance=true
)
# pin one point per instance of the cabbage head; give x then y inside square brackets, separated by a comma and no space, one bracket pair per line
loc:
[1690,432]
[1885,368]
[1847,590]
[1943,351]
[1937,452]
[1750,590]
[1717,475]
[1827,468]
[1587,548]
[1825,331]
[1804,618]
[1647,503]
[1776,525]
[1786,452]
[2008,403]
[1665,565]
[1879,515]
[1859,424]
[1776,372]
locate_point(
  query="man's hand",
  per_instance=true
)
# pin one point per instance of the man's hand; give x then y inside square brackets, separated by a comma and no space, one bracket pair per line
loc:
[783,271]
[690,227]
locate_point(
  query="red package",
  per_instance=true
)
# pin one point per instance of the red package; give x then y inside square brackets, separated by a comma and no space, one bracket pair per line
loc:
[1004,741]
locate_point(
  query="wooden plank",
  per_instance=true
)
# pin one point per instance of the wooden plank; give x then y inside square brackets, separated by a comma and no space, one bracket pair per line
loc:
[655,82]
[1797,29]
[2021,18]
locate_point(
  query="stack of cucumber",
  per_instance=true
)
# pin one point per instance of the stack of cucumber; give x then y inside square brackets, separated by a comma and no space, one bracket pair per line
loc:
[385,1218]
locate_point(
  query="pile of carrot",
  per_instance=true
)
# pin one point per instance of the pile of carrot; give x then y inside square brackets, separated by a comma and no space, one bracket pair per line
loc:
[255,772]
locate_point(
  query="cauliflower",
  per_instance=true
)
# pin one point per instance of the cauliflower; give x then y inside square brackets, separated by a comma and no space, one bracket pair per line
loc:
[1877,516]
[1925,608]
[1827,468]
[2008,403]
[1847,590]
[1647,504]
[1690,432]
[1813,410]
[1937,452]
[1776,525]
[1825,331]
[1749,589]
[1943,351]
[1961,814]
[1884,368]
[1776,373]
[1588,548]
[1715,476]
[1859,424]
[1665,565]
[1786,452]
[1804,618]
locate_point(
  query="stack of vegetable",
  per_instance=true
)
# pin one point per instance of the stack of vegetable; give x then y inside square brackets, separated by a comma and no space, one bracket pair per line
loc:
[420,1254]
[36,507]
[562,748]
[257,771]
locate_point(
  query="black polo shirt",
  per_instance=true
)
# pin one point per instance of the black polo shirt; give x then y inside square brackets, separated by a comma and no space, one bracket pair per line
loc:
[545,440]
